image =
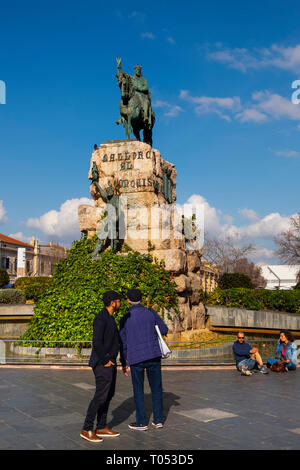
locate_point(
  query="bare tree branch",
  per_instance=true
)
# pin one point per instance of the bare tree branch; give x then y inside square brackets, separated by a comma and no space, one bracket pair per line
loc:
[289,242]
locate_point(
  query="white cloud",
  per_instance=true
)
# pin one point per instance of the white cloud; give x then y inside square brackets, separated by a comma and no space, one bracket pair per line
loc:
[267,227]
[171,110]
[262,253]
[3,218]
[276,106]
[251,115]
[286,153]
[263,107]
[206,104]
[137,16]
[171,40]
[20,236]
[249,214]
[60,224]
[148,36]
[211,217]
[285,58]
[260,231]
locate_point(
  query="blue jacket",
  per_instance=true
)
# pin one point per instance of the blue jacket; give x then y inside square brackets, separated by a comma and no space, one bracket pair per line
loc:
[291,351]
[138,335]
[241,351]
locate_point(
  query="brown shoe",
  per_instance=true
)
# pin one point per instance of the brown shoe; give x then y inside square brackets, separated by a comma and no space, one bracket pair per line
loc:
[106,432]
[90,436]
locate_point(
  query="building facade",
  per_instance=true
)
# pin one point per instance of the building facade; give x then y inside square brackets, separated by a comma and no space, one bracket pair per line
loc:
[280,277]
[209,276]
[24,259]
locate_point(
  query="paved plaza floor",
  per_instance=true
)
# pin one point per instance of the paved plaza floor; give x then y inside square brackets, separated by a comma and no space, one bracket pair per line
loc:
[206,409]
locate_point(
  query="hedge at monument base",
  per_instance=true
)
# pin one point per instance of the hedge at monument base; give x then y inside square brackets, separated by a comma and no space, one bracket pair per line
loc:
[67,307]
[257,299]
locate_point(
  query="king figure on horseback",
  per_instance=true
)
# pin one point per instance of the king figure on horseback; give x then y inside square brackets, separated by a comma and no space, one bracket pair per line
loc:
[136,112]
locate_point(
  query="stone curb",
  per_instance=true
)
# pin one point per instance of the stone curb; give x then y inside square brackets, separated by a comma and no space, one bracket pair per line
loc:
[196,353]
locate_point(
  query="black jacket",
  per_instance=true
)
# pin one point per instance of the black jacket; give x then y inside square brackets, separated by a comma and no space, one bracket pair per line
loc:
[106,339]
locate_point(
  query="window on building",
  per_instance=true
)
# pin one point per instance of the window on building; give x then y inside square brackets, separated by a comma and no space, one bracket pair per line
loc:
[5,263]
[42,267]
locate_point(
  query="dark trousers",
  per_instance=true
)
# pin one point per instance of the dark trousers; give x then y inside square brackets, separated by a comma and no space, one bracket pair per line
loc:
[105,389]
[153,370]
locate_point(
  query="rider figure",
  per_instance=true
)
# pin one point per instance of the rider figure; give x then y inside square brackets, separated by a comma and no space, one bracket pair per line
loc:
[141,89]
[141,93]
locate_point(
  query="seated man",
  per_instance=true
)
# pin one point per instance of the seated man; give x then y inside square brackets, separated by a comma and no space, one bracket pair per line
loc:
[246,357]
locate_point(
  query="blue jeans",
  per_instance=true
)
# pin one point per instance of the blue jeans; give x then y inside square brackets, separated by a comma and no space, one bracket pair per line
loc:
[249,363]
[290,365]
[153,370]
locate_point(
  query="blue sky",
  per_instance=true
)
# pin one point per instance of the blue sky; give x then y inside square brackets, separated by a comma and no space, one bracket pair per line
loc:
[220,75]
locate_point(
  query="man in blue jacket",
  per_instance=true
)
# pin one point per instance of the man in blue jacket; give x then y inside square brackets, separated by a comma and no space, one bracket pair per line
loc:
[106,346]
[246,357]
[140,348]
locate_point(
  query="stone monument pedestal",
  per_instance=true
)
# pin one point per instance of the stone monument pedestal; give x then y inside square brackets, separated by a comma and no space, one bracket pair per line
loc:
[146,186]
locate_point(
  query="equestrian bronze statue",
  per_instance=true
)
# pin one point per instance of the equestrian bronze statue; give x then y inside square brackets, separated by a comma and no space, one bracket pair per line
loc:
[136,112]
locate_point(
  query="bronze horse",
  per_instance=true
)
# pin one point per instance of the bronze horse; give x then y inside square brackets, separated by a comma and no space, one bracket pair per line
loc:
[132,109]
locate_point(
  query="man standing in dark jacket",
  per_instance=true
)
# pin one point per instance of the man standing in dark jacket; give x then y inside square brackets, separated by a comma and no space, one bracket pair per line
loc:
[140,348]
[106,345]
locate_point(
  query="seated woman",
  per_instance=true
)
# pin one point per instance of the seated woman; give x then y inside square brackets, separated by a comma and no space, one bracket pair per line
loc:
[286,351]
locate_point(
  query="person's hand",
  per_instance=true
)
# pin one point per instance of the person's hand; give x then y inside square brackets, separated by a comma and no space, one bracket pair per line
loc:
[110,363]
[125,370]
[287,361]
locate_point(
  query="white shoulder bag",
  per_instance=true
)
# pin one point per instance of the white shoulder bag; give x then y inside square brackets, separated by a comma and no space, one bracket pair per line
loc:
[165,350]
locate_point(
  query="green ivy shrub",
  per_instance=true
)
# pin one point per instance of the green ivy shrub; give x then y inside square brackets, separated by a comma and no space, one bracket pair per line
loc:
[257,299]
[297,286]
[230,280]
[4,277]
[12,296]
[66,309]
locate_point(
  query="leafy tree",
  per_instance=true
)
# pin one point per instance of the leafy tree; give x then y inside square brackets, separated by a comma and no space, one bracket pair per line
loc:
[67,307]
[230,280]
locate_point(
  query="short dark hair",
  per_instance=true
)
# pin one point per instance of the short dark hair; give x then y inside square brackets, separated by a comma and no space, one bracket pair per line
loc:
[134,295]
[288,335]
[111,296]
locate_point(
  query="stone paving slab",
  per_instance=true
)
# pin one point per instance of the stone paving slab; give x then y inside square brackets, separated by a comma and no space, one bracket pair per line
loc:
[207,409]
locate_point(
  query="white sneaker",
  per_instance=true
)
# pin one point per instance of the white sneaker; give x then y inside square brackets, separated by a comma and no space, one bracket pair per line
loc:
[246,372]
[158,425]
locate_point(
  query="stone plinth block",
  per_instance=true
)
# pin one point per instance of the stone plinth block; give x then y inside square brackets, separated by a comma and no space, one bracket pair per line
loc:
[193,261]
[175,260]
[134,166]
[181,283]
